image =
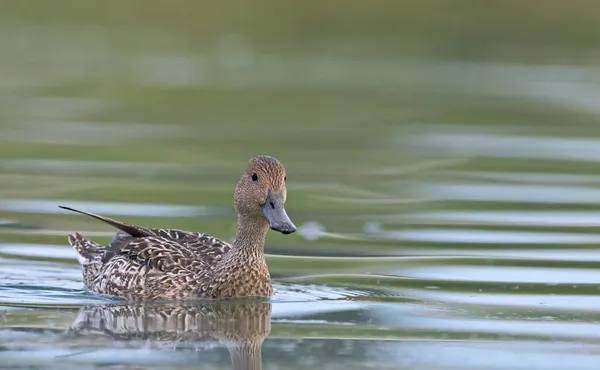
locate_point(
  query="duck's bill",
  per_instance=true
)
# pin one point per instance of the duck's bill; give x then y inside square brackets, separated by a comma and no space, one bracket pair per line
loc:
[274,211]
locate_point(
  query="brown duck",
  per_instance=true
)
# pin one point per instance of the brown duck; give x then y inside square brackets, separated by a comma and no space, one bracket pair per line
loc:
[155,264]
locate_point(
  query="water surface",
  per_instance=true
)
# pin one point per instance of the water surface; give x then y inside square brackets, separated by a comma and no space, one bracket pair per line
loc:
[442,167]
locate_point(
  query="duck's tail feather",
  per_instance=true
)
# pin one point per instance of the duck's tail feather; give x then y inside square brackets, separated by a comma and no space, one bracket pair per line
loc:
[88,252]
[132,230]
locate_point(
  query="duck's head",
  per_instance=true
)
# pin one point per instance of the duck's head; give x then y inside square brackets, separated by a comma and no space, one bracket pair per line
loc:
[261,193]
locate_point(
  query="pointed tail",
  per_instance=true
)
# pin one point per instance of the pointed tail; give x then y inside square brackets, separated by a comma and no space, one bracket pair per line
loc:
[132,230]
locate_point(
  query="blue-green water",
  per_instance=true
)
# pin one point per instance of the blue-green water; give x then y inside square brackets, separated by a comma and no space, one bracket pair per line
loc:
[450,289]
[442,166]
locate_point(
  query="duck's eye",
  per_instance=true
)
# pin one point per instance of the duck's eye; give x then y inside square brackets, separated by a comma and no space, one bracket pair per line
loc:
[254,177]
[285,178]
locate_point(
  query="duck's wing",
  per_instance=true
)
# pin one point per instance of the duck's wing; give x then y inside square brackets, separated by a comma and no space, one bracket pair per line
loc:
[199,242]
[165,253]
[157,253]
[193,244]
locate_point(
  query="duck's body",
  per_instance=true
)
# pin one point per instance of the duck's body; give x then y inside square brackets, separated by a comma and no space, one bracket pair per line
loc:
[150,264]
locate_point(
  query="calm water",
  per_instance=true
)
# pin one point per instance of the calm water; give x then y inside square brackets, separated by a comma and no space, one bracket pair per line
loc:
[443,171]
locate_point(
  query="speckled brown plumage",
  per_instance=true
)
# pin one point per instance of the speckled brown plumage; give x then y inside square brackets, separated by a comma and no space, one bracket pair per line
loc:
[149,264]
[242,325]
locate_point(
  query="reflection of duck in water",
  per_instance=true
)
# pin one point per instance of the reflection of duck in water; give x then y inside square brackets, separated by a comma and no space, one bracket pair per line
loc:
[144,263]
[241,325]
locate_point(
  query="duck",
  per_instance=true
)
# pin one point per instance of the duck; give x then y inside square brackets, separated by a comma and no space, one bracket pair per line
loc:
[141,263]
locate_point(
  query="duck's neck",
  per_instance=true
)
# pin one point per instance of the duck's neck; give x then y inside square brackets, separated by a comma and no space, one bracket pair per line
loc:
[243,271]
[250,237]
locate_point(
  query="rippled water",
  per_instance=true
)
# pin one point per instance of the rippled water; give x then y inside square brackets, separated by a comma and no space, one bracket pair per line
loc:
[487,283]
[442,168]
[470,288]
